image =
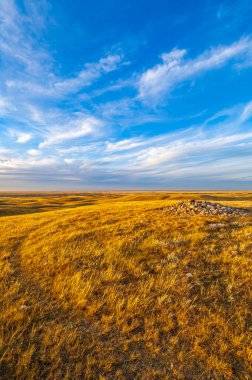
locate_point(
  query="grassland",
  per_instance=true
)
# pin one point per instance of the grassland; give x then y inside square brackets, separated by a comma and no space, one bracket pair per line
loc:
[108,286]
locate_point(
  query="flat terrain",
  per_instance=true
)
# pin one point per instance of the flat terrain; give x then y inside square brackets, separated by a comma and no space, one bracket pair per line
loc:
[109,286]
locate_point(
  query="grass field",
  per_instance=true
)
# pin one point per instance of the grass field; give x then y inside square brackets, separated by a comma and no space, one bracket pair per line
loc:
[108,286]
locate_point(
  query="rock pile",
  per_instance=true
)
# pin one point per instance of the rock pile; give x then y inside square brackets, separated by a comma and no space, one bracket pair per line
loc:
[195,207]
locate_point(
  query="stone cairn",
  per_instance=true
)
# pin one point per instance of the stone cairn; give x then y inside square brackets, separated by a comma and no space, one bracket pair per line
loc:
[194,207]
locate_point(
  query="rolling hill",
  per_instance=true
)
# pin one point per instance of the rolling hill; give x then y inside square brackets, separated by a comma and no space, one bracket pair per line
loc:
[120,289]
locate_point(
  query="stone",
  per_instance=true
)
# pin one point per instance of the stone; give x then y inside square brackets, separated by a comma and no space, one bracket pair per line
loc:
[189,275]
[194,207]
[23,306]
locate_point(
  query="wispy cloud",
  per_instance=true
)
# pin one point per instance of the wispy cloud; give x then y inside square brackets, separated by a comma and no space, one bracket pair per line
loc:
[247,112]
[12,164]
[122,145]
[57,87]
[175,68]
[16,41]
[95,122]
[81,127]
[85,77]
[4,106]
[198,154]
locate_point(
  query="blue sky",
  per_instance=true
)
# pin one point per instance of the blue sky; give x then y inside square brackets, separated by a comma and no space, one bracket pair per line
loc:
[115,94]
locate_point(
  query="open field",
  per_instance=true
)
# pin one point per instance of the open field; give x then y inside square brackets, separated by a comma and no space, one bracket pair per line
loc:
[13,203]
[109,286]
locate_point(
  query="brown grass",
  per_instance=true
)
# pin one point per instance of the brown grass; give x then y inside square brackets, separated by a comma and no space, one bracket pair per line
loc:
[121,290]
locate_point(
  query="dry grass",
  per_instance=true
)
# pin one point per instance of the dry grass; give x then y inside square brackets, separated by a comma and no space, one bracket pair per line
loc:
[121,290]
[13,203]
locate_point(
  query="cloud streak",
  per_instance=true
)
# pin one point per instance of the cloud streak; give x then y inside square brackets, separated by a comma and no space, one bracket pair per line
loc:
[82,127]
[160,80]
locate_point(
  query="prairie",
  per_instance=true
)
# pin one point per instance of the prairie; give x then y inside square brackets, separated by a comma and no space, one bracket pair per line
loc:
[109,286]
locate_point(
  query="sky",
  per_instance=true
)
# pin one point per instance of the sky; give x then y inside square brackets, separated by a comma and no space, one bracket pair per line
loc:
[125,94]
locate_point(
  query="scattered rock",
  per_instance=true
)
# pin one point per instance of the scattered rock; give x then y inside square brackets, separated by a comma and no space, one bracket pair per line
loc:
[216,225]
[189,275]
[194,207]
[23,306]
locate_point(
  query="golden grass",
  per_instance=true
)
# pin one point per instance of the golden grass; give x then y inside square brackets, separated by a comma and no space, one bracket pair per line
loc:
[13,203]
[121,290]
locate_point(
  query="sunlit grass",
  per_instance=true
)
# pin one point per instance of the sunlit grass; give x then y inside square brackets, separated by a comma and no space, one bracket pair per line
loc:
[27,203]
[121,290]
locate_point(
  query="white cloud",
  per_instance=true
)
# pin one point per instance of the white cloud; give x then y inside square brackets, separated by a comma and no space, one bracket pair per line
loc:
[19,136]
[126,144]
[247,112]
[199,146]
[224,150]
[36,115]
[23,164]
[24,138]
[175,68]
[81,149]
[34,152]
[29,72]
[91,72]
[4,105]
[4,152]
[80,128]
[55,86]
[69,160]
[16,41]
